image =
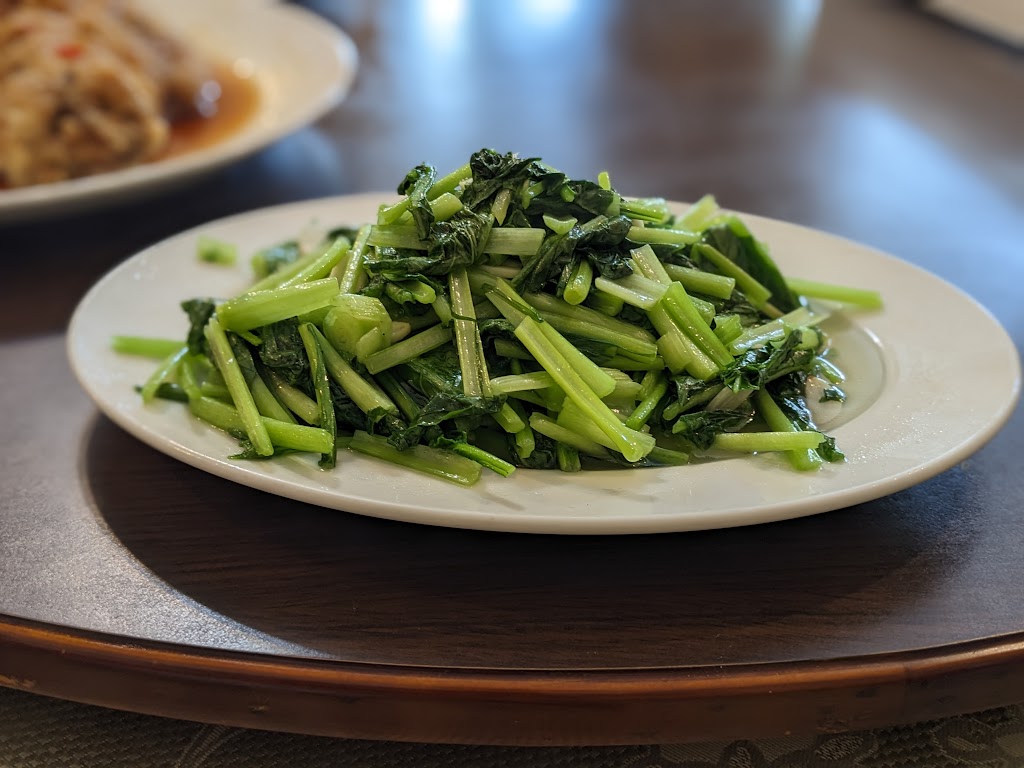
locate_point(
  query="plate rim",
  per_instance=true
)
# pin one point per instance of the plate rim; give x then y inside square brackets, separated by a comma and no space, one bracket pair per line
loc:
[465,518]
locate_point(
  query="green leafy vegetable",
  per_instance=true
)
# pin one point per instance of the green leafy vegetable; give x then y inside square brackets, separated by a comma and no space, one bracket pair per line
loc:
[415,186]
[789,393]
[199,312]
[701,428]
[739,246]
[268,260]
[282,351]
[505,315]
[760,365]
[214,251]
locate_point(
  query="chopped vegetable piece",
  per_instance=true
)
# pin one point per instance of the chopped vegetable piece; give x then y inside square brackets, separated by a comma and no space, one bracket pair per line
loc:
[505,315]
[214,251]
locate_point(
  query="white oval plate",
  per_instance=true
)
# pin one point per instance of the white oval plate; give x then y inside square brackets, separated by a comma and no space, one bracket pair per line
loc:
[302,65]
[907,417]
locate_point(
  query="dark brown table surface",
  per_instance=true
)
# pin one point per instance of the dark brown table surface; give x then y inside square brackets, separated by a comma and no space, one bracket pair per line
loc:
[131,580]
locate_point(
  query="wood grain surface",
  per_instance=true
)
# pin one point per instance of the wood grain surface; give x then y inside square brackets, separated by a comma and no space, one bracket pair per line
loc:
[131,580]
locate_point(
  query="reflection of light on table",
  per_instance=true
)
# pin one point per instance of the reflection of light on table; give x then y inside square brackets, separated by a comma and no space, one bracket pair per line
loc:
[857,132]
[794,32]
[546,13]
[796,23]
[442,22]
[461,64]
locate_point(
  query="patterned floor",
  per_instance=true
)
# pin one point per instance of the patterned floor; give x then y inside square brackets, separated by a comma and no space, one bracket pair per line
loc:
[39,732]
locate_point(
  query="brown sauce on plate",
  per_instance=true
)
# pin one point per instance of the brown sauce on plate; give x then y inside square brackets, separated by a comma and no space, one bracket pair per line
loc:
[238,101]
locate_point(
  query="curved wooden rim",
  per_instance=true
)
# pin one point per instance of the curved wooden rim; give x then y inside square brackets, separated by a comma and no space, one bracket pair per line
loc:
[510,707]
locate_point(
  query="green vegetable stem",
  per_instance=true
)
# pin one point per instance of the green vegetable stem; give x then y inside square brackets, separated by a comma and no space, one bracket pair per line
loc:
[505,315]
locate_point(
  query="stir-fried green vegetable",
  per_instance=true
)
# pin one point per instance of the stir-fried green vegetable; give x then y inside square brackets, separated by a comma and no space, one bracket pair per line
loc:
[506,315]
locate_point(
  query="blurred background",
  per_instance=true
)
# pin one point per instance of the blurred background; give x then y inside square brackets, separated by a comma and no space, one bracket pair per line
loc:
[871,118]
[878,120]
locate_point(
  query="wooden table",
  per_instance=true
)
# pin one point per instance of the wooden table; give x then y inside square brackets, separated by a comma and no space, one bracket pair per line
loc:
[131,580]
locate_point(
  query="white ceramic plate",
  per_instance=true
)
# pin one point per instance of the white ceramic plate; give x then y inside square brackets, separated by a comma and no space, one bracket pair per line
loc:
[907,417]
[302,66]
